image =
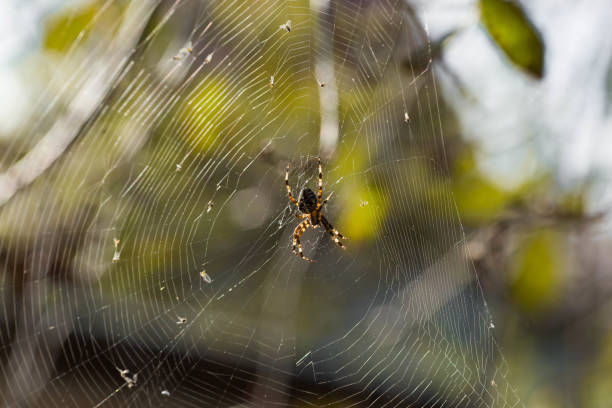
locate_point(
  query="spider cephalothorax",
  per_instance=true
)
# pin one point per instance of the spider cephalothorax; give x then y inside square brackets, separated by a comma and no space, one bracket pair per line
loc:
[310,206]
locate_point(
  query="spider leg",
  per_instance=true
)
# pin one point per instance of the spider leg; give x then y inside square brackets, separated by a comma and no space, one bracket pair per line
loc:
[297,233]
[299,216]
[293,200]
[320,193]
[336,236]
[319,206]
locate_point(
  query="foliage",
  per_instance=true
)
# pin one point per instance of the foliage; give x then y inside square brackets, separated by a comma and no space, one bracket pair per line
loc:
[515,35]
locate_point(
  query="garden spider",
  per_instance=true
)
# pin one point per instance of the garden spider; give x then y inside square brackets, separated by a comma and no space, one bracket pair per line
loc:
[310,207]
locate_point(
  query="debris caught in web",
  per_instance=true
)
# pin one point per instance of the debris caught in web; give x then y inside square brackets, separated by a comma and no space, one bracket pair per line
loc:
[183,52]
[206,277]
[125,374]
[271,83]
[210,206]
[117,254]
[286,26]
[208,58]
[165,393]
[181,320]
[406,117]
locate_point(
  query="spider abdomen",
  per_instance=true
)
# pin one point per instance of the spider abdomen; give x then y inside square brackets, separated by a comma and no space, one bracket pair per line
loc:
[308,201]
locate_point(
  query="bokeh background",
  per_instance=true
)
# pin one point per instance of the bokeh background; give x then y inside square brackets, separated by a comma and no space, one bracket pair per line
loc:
[109,240]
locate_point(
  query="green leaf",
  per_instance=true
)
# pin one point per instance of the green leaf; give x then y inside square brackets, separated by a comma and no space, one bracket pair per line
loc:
[62,30]
[538,270]
[512,31]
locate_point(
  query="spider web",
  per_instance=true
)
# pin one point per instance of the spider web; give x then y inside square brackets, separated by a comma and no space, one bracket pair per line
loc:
[148,228]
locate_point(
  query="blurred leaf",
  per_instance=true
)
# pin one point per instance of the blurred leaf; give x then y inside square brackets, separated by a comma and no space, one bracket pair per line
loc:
[512,31]
[62,30]
[537,268]
[364,212]
[573,205]
[597,388]
[478,199]
[206,114]
[363,218]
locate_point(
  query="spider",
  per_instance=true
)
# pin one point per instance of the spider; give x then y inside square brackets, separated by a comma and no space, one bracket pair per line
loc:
[310,207]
